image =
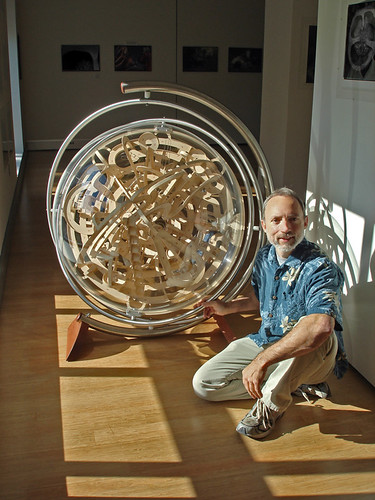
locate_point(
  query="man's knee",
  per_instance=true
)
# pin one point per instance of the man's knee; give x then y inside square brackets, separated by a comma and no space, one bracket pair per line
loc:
[206,389]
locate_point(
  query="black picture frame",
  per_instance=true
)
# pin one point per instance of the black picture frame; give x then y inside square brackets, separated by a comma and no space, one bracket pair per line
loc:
[311,54]
[245,60]
[133,57]
[80,57]
[359,63]
[200,59]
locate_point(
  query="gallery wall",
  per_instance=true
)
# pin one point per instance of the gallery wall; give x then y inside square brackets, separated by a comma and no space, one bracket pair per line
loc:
[54,101]
[341,178]
[287,91]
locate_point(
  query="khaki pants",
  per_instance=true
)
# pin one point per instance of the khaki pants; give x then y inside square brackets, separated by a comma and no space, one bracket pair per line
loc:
[220,378]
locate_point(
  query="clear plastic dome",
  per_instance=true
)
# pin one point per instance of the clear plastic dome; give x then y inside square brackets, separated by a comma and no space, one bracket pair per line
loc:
[149,220]
[152,216]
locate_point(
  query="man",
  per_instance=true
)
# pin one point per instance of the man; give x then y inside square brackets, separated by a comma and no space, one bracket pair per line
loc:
[298,292]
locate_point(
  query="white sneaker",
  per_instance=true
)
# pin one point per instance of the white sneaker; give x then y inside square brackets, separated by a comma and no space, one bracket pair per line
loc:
[259,422]
[321,391]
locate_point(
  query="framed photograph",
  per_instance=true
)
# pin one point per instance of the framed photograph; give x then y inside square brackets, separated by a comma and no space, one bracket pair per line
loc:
[133,57]
[311,53]
[203,59]
[80,57]
[245,60]
[359,46]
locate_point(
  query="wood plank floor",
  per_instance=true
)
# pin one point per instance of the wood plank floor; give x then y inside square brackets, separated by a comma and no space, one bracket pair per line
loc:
[123,422]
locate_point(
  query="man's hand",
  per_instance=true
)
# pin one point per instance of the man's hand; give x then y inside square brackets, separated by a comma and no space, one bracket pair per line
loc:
[221,308]
[253,376]
[214,307]
[307,335]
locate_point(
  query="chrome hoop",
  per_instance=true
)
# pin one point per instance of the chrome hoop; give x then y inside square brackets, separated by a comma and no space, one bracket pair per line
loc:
[151,216]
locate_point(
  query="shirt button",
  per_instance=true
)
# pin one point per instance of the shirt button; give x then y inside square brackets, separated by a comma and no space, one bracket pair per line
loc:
[274,297]
[276,278]
[270,315]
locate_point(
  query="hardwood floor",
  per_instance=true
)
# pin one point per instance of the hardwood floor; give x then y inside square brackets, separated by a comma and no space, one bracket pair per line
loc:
[123,422]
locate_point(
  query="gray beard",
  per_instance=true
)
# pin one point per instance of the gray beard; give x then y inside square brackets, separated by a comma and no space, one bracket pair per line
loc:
[291,247]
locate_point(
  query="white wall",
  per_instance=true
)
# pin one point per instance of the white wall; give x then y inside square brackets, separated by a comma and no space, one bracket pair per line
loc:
[341,180]
[286,97]
[55,101]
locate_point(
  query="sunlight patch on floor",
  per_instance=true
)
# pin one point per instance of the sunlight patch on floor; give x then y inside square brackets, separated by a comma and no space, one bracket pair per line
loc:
[104,419]
[303,485]
[130,487]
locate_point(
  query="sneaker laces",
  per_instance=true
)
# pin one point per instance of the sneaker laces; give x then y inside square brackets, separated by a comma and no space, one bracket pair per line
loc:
[264,415]
[259,421]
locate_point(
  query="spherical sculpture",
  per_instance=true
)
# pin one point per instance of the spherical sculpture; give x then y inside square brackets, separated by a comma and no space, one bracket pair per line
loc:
[153,215]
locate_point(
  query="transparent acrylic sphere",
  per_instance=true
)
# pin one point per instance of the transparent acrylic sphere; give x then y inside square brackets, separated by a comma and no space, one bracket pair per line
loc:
[149,220]
[153,216]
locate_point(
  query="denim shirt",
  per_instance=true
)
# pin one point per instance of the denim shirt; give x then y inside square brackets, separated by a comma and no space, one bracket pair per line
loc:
[308,282]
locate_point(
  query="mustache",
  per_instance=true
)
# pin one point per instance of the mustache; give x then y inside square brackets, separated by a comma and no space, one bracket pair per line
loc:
[285,235]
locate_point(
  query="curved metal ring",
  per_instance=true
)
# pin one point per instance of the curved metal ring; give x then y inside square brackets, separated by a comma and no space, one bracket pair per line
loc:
[152,326]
